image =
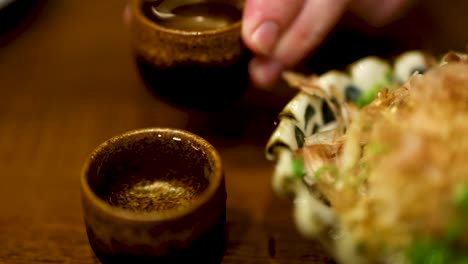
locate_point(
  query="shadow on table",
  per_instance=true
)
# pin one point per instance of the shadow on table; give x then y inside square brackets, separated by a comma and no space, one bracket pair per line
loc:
[238,224]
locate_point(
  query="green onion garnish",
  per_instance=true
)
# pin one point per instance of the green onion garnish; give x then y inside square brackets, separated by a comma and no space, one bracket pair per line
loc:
[428,252]
[298,168]
[460,197]
[369,96]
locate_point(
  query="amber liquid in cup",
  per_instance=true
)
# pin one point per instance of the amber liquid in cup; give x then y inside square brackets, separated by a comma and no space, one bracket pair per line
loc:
[147,194]
[198,16]
[192,84]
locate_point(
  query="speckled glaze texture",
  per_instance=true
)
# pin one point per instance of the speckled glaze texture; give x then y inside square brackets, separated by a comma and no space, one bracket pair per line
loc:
[121,235]
[165,47]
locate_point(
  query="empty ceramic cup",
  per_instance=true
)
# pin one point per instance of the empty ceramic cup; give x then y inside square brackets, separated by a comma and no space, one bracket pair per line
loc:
[154,195]
[190,52]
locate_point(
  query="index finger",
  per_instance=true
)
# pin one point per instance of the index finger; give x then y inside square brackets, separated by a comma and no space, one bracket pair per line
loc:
[265,20]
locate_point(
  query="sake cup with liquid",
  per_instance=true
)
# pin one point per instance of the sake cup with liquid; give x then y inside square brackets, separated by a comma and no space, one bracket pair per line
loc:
[190,52]
[155,195]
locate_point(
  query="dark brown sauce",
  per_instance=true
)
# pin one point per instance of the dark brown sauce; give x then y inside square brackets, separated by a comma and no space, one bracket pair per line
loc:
[191,15]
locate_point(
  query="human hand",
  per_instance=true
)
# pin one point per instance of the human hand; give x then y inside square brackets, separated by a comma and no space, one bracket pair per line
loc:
[282,33]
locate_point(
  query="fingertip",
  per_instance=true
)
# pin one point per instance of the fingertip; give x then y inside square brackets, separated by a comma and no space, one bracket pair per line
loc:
[264,72]
[250,20]
[264,22]
[264,37]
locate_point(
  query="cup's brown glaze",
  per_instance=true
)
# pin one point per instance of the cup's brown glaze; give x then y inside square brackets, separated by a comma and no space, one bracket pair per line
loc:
[155,195]
[204,69]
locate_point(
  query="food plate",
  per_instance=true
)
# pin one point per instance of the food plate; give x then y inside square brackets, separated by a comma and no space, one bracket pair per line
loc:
[308,114]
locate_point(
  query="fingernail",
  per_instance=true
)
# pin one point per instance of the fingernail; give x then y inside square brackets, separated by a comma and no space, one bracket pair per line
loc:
[265,36]
[264,72]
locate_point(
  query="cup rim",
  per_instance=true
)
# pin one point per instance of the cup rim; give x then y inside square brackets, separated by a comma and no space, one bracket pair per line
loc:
[210,191]
[138,14]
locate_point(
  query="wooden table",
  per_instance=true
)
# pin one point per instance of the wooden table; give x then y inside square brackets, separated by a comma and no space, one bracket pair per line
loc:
[68,82]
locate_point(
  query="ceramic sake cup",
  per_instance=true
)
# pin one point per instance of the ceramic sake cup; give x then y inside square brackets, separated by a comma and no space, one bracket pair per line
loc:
[154,195]
[203,69]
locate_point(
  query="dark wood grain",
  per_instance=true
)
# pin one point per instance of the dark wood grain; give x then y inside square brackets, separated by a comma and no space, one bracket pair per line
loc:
[68,81]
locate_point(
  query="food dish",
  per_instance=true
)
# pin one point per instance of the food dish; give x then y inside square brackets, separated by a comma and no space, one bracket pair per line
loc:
[359,160]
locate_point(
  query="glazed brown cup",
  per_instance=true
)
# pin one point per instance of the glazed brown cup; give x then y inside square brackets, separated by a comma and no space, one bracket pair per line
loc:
[154,195]
[196,68]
